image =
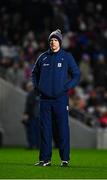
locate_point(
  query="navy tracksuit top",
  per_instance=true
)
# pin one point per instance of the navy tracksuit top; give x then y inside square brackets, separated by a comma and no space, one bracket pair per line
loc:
[55,73]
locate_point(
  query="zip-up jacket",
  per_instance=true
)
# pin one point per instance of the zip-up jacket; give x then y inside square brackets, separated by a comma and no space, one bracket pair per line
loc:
[54,73]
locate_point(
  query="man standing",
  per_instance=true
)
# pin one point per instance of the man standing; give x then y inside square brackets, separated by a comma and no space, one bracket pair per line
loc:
[30,117]
[50,77]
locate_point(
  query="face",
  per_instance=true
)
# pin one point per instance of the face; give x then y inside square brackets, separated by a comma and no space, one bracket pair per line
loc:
[54,44]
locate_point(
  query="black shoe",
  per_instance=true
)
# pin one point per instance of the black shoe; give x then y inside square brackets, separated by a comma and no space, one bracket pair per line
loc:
[64,164]
[43,163]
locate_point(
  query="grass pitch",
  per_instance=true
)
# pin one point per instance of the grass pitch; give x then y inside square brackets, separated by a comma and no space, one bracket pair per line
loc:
[18,163]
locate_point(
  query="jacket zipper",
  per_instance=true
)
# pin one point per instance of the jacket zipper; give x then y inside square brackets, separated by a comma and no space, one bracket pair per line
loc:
[53,74]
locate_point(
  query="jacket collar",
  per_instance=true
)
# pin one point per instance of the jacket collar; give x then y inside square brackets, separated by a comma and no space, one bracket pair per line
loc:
[51,52]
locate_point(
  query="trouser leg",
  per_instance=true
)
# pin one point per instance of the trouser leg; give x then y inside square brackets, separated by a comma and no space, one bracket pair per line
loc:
[28,137]
[35,132]
[45,131]
[28,128]
[61,113]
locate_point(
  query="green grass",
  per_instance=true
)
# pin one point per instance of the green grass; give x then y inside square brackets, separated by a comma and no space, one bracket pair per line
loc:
[18,163]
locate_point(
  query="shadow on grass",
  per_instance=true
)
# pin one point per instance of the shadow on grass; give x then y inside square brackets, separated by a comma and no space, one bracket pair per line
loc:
[54,166]
[80,167]
[19,164]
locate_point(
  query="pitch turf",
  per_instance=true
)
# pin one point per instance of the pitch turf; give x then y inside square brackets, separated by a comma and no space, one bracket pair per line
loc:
[18,163]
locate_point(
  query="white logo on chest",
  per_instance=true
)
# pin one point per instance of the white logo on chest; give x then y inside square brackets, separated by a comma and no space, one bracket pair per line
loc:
[59,64]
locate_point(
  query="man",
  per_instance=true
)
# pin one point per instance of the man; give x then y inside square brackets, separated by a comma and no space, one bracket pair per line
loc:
[30,117]
[50,77]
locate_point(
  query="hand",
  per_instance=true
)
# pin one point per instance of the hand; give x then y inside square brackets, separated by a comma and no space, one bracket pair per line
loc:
[25,118]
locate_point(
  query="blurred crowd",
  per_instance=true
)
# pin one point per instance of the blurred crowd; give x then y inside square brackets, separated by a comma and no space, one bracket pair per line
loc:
[24,29]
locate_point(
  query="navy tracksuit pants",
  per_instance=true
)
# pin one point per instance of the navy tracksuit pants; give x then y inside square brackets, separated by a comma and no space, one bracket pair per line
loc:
[33,133]
[59,107]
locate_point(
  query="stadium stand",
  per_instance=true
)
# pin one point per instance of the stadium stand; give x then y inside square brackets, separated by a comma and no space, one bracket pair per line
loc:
[24,29]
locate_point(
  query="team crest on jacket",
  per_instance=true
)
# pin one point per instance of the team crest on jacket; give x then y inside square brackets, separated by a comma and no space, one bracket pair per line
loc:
[59,64]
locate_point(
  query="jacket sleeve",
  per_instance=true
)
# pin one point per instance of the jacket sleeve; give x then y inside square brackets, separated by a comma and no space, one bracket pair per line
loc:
[36,73]
[74,71]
